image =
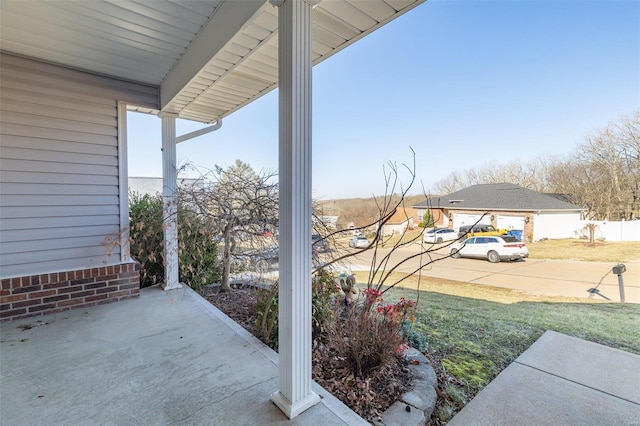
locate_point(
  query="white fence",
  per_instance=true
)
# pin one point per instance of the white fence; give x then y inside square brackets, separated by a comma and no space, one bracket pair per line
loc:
[611,230]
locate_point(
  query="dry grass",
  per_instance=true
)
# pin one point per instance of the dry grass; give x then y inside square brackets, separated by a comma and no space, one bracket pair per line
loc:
[600,251]
[389,242]
[474,291]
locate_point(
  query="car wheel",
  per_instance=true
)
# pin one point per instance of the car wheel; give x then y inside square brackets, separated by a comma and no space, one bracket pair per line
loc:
[455,254]
[493,257]
[439,240]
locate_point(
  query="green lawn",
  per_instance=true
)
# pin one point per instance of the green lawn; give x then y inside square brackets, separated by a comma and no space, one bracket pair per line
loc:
[473,332]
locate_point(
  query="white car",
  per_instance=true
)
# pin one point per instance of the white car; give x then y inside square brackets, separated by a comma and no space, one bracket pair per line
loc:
[359,242]
[439,235]
[492,248]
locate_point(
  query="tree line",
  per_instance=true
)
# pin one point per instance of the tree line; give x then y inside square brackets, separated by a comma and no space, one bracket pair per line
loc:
[602,174]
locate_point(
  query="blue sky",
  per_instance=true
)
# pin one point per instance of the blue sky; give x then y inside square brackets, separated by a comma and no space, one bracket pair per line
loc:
[463,83]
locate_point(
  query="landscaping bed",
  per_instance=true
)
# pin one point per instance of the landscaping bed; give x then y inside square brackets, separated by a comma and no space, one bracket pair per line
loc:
[369,396]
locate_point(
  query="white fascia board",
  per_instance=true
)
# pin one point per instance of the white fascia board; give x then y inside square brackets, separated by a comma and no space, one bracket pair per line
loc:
[227,20]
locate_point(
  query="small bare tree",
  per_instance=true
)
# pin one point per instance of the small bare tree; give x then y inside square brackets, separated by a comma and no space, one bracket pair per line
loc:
[591,228]
[243,206]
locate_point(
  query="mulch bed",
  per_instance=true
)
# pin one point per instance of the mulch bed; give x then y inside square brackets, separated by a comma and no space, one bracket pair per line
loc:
[369,397]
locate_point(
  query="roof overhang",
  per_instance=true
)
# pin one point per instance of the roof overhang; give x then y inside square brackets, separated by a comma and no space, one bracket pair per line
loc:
[208,58]
[502,209]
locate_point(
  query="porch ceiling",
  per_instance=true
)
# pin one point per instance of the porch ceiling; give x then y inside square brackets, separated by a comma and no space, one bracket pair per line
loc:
[208,57]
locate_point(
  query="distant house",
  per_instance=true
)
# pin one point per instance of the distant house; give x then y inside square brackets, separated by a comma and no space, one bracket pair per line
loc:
[402,219]
[330,222]
[505,205]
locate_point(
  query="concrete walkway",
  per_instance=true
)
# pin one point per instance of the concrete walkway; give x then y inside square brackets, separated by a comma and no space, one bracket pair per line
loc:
[162,359]
[560,380]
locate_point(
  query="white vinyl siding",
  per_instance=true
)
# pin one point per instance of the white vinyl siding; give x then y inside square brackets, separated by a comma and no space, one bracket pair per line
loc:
[59,166]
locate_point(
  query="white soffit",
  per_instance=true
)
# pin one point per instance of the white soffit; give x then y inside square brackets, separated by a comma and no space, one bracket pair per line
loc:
[247,66]
[209,57]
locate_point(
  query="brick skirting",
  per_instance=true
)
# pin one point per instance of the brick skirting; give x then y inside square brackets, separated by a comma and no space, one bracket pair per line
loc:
[42,294]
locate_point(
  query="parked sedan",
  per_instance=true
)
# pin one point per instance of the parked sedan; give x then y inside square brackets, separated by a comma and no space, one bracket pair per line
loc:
[493,248]
[359,242]
[439,235]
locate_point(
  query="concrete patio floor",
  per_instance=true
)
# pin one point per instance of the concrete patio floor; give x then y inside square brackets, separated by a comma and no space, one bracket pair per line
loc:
[161,359]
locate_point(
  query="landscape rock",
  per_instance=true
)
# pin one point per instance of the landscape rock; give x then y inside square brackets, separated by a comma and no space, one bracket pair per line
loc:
[397,415]
[417,404]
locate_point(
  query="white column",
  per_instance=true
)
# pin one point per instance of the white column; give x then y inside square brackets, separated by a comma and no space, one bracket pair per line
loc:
[170,201]
[123,183]
[294,333]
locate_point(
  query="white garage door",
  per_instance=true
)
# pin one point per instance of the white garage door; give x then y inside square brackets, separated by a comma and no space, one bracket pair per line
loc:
[510,222]
[461,219]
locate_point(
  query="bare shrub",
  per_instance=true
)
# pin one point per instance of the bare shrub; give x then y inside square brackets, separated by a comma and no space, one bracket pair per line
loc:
[369,334]
[267,316]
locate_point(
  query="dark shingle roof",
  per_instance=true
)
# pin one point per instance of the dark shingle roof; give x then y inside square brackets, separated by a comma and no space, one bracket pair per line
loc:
[498,196]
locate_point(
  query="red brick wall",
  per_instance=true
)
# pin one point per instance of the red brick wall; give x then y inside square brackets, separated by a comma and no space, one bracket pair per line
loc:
[46,293]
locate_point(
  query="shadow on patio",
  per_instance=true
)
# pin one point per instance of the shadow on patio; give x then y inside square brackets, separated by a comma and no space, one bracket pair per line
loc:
[163,358]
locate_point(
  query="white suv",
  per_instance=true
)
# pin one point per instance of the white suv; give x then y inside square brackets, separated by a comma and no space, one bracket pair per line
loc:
[492,248]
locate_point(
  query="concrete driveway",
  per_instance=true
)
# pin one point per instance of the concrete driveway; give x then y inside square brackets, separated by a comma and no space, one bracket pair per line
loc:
[590,280]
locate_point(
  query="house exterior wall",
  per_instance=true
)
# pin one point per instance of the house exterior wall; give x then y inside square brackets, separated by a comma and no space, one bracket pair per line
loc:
[60,171]
[396,228]
[439,216]
[555,225]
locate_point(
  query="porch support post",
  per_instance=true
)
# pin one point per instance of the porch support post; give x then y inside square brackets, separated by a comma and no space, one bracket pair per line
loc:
[169,201]
[294,332]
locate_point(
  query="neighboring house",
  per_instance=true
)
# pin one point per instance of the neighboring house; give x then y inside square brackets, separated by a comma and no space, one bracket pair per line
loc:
[504,205]
[330,222]
[402,219]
